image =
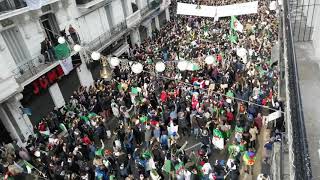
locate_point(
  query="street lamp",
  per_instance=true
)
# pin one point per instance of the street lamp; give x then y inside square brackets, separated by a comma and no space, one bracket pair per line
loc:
[105,72]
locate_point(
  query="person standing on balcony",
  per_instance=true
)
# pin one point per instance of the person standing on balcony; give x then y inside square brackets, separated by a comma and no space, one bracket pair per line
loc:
[47,50]
[74,35]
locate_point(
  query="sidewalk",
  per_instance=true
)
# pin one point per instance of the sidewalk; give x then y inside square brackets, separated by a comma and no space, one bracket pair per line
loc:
[260,166]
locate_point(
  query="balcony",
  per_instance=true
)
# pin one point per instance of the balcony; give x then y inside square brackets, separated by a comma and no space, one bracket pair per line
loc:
[105,39]
[85,4]
[133,19]
[32,68]
[10,5]
[10,8]
[8,88]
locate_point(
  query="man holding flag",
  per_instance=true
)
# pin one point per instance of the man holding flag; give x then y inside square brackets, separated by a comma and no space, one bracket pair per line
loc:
[235,25]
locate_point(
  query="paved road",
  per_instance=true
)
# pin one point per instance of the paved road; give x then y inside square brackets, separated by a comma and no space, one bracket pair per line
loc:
[309,78]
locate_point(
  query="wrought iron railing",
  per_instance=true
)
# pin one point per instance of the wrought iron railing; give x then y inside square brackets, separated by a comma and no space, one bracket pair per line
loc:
[30,68]
[9,5]
[301,160]
[303,18]
[101,40]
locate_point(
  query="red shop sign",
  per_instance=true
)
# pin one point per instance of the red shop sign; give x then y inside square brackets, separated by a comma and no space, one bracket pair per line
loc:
[47,79]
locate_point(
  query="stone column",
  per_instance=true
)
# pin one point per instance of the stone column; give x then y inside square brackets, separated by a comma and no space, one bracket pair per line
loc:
[84,73]
[167,14]
[157,22]
[21,122]
[127,6]
[149,29]
[139,4]
[56,95]
[135,37]
[8,125]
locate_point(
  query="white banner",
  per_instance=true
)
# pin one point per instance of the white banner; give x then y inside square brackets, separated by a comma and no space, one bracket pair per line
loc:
[273,116]
[218,11]
[66,65]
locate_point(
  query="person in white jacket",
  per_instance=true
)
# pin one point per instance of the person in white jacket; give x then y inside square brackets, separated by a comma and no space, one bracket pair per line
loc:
[115,109]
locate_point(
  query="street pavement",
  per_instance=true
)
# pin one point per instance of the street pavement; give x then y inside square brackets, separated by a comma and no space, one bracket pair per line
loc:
[309,79]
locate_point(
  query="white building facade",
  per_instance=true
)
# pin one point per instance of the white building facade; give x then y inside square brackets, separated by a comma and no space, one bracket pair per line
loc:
[29,80]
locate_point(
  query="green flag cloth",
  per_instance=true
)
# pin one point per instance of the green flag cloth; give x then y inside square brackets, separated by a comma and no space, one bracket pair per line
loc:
[90,115]
[62,127]
[146,155]
[230,94]
[217,133]
[85,118]
[143,119]
[233,37]
[134,90]
[239,129]
[62,51]
[99,152]
[242,147]
[167,166]
[233,150]
[28,166]
[45,133]
[195,67]
[119,86]
[112,177]
[178,167]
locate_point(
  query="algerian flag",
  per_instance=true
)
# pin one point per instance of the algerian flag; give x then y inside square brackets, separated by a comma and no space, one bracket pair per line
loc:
[63,127]
[233,38]
[99,152]
[239,129]
[85,118]
[119,86]
[134,90]
[167,166]
[62,51]
[66,65]
[179,167]
[28,166]
[230,94]
[235,24]
[112,177]
[90,115]
[143,119]
[217,133]
[46,133]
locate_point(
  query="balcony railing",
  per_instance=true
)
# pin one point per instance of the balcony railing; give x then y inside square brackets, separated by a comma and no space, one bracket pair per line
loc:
[10,5]
[133,19]
[30,68]
[101,41]
[89,3]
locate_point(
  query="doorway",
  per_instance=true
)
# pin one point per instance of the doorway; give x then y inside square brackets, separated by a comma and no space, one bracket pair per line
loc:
[4,134]
[50,26]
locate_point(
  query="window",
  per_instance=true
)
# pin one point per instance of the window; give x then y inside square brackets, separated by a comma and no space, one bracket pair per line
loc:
[16,45]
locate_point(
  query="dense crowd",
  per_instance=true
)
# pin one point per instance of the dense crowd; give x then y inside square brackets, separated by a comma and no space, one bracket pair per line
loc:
[136,125]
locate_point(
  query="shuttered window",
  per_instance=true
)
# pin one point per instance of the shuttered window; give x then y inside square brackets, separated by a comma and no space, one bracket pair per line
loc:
[16,45]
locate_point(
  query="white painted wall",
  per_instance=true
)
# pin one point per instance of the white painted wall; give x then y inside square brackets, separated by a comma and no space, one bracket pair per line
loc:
[7,64]
[92,25]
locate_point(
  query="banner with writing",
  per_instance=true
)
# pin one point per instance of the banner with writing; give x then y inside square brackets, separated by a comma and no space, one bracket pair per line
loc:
[218,11]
